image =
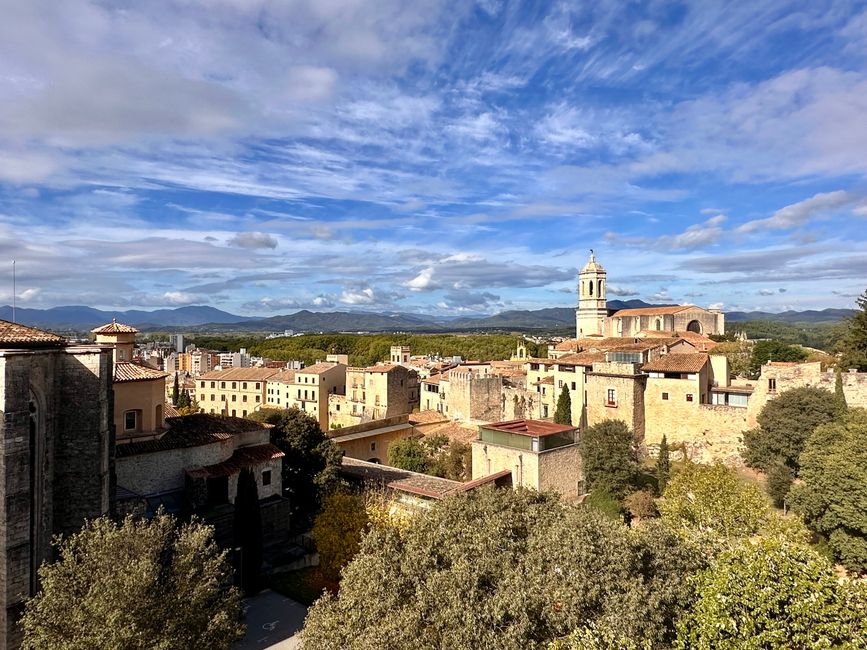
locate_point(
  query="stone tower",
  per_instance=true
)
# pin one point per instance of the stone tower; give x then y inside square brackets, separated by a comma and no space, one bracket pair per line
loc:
[592,305]
[122,337]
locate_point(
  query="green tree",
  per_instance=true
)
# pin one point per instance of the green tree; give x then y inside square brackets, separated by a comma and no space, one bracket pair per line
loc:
[853,346]
[779,481]
[311,466]
[192,409]
[175,391]
[338,530]
[563,414]
[609,456]
[663,466]
[785,423]
[138,584]
[773,594]
[408,454]
[711,504]
[183,400]
[832,492]
[247,531]
[739,355]
[839,395]
[504,569]
[764,351]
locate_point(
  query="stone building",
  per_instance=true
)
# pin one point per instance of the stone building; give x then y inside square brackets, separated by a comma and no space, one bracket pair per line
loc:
[593,318]
[376,392]
[539,455]
[313,387]
[57,461]
[235,392]
[194,468]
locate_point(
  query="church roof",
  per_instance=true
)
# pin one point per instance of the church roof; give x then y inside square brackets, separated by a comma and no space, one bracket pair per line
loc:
[15,335]
[653,311]
[191,431]
[114,328]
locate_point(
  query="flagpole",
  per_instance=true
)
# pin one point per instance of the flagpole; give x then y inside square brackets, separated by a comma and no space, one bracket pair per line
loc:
[13,291]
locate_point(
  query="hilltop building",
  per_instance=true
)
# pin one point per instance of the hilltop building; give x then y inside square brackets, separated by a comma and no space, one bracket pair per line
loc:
[593,318]
[57,457]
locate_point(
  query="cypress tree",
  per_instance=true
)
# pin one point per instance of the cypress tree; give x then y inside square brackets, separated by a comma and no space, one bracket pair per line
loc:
[853,346]
[839,395]
[563,414]
[248,533]
[175,391]
[663,466]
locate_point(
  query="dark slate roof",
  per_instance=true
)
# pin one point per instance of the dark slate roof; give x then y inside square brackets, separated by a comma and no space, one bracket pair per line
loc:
[191,431]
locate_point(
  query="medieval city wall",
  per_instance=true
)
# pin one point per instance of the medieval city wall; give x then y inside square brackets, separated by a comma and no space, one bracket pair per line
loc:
[473,396]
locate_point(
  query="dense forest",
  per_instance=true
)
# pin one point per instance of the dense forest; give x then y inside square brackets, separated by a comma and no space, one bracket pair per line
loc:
[367,349]
[821,336]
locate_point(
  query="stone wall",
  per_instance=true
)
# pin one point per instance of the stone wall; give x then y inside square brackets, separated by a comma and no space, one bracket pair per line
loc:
[557,469]
[629,385]
[519,403]
[561,470]
[474,396]
[56,460]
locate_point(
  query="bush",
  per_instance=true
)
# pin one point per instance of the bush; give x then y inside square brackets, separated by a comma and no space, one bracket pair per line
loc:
[610,457]
[641,505]
[338,531]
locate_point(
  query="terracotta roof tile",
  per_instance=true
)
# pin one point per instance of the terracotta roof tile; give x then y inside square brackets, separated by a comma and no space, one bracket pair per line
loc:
[115,328]
[535,428]
[283,377]
[317,368]
[427,417]
[684,363]
[455,431]
[241,374]
[581,359]
[544,380]
[14,334]
[382,367]
[652,311]
[129,371]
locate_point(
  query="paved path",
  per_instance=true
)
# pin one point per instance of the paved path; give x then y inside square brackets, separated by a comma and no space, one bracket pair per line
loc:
[273,621]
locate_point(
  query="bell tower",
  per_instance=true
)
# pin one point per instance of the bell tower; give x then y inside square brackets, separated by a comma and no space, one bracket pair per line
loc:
[592,305]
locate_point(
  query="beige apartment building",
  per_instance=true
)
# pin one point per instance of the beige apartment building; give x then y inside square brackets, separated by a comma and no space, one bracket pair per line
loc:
[278,390]
[235,391]
[314,385]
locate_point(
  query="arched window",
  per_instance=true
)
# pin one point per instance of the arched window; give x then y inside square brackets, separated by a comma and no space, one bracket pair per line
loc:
[591,287]
[694,326]
[599,288]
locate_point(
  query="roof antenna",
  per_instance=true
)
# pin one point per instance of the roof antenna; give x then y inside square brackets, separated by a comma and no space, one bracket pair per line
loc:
[13,291]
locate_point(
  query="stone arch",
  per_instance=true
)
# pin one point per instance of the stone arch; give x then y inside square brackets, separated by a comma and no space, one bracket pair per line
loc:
[694,326]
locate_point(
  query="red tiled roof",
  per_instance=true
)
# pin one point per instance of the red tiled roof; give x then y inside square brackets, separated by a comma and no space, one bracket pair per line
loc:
[652,311]
[241,374]
[129,371]
[427,417]
[484,480]
[381,367]
[426,486]
[581,359]
[240,459]
[114,328]
[544,380]
[686,363]
[13,334]
[317,368]
[535,428]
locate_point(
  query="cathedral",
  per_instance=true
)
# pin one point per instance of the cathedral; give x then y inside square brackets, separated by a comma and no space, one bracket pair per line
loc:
[594,319]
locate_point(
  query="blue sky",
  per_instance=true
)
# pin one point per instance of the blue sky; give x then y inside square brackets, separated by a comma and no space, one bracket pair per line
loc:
[426,156]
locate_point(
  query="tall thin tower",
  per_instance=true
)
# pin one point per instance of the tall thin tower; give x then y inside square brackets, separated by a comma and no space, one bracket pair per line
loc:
[592,305]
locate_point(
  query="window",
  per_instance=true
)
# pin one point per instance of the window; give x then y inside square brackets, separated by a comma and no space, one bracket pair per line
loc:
[234,413]
[222,384]
[244,413]
[130,420]
[573,385]
[372,446]
[544,410]
[244,385]
[213,397]
[257,385]
[120,354]
[258,398]
[611,397]
[243,398]
[234,397]
[234,384]
[201,384]
[689,397]
[222,398]
[772,385]
[559,383]
[266,477]
[665,396]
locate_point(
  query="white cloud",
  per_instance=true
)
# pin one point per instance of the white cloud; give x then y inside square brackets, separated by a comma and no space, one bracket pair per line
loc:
[364,296]
[798,214]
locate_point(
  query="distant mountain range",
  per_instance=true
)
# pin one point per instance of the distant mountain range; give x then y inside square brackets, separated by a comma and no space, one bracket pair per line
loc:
[203,318]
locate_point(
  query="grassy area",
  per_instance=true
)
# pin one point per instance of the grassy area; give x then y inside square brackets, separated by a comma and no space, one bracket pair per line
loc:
[303,586]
